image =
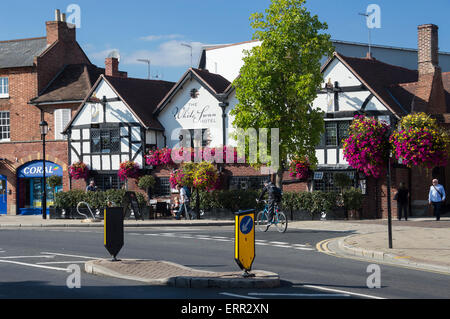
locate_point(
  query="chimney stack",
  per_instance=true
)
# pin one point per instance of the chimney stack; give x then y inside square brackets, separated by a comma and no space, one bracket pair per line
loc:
[428,48]
[112,66]
[60,30]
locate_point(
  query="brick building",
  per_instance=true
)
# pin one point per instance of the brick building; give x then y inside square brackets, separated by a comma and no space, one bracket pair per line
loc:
[40,78]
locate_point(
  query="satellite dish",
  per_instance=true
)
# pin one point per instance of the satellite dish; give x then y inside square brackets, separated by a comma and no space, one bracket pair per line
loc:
[114,54]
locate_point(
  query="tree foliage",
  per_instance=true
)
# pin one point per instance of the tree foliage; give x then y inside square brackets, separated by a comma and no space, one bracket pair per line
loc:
[280,78]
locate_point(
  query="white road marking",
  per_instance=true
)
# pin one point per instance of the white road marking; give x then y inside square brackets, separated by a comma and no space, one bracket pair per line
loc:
[22,257]
[296,295]
[282,246]
[238,296]
[62,262]
[279,243]
[77,256]
[262,244]
[342,291]
[300,245]
[303,248]
[32,265]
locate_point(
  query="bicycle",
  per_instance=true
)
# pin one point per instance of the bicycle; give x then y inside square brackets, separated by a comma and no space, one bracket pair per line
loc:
[279,219]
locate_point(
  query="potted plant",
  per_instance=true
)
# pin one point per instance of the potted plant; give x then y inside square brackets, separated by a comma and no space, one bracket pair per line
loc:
[53,182]
[146,183]
[78,170]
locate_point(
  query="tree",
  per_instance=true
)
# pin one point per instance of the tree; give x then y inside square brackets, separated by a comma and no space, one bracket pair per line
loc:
[280,79]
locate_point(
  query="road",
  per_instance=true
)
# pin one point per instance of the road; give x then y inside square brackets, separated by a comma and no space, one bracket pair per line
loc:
[33,264]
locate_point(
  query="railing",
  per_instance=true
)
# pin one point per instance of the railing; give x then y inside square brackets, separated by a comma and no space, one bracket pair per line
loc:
[89,208]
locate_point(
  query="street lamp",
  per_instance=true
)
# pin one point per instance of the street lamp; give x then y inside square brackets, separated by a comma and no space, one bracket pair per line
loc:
[188,46]
[44,131]
[148,62]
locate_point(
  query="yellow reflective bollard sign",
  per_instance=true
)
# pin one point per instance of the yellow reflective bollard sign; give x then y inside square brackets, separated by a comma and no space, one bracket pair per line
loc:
[245,239]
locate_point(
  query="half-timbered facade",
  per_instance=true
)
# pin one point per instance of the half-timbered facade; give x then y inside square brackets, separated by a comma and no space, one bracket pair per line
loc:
[114,124]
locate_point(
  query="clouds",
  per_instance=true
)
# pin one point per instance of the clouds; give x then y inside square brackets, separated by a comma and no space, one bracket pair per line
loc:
[167,54]
[162,50]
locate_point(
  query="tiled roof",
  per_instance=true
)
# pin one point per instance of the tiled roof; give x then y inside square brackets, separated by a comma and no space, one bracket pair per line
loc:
[73,83]
[21,53]
[142,96]
[385,80]
[215,81]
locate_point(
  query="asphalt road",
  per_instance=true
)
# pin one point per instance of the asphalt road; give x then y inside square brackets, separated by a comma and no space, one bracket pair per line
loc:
[33,264]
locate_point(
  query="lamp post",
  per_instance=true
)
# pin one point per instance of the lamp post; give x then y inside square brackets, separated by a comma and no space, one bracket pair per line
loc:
[188,46]
[44,130]
[148,63]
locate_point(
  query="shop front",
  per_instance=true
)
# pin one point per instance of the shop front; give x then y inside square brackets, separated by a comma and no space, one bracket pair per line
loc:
[30,180]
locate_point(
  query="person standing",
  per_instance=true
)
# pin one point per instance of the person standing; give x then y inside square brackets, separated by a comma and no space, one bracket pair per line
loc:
[402,201]
[436,197]
[91,187]
[184,202]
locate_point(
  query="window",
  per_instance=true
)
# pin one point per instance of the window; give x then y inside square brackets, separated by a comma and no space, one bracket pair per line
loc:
[105,141]
[324,181]
[205,137]
[62,118]
[4,126]
[335,133]
[247,182]
[4,87]
[107,181]
[162,186]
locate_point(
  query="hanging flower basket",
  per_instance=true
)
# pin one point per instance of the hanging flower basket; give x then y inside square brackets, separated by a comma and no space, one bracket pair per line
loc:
[159,157]
[128,169]
[78,170]
[367,147]
[299,168]
[419,141]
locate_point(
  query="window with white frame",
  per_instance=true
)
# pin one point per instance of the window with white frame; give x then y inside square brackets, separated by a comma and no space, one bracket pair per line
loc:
[4,87]
[5,129]
[62,118]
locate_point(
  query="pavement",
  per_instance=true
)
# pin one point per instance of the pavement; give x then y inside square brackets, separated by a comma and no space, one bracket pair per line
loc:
[420,243]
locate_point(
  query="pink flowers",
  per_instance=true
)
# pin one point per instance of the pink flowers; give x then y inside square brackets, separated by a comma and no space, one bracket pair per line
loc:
[419,141]
[78,170]
[128,169]
[299,169]
[366,149]
[159,157]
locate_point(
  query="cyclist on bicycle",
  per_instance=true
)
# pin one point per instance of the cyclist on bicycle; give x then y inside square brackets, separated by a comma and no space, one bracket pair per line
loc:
[274,195]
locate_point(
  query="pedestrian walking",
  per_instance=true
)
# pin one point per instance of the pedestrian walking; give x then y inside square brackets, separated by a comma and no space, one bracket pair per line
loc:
[185,196]
[436,197]
[402,201]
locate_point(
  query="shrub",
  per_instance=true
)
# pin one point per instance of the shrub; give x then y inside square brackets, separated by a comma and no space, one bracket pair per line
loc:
[145,182]
[352,198]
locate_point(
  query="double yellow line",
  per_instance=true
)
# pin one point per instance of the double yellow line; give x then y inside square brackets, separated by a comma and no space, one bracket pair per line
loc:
[323,247]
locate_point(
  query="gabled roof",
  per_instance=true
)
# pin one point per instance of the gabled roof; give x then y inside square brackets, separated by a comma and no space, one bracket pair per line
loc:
[382,79]
[139,95]
[142,96]
[216,84]
[21,53]
[71,84]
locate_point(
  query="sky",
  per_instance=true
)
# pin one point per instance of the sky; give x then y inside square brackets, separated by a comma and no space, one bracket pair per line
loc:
[156,30]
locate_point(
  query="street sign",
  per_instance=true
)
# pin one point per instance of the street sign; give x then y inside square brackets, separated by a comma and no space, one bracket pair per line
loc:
[245,239]
[130,200]
[113,230]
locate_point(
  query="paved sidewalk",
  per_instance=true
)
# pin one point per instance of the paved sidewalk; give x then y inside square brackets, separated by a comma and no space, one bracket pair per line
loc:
[422,243]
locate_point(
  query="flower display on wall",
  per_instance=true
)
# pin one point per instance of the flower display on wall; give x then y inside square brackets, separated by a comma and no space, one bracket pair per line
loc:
[420,142]
[299,168]
[128,169]
[367,146]
[202,176]
[159,157]
[78,170]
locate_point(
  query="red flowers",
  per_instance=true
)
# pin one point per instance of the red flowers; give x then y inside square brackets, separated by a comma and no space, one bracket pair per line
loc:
[299,169]
[78,170]
[128,169]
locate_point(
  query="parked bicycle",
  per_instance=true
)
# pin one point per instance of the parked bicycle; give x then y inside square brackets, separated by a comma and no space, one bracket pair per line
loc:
[279,219]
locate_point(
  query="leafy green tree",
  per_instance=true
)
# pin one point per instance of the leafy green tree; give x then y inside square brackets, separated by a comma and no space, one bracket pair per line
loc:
[280,79]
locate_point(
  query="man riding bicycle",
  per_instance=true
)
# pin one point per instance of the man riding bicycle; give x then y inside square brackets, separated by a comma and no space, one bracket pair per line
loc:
[274,196]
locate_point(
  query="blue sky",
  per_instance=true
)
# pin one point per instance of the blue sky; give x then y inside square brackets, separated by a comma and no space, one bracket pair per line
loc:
[155,29]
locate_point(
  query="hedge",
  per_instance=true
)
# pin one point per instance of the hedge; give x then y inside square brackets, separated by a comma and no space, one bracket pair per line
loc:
[99,199]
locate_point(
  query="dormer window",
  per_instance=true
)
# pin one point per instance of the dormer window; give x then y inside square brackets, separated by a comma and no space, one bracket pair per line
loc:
[4,87]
